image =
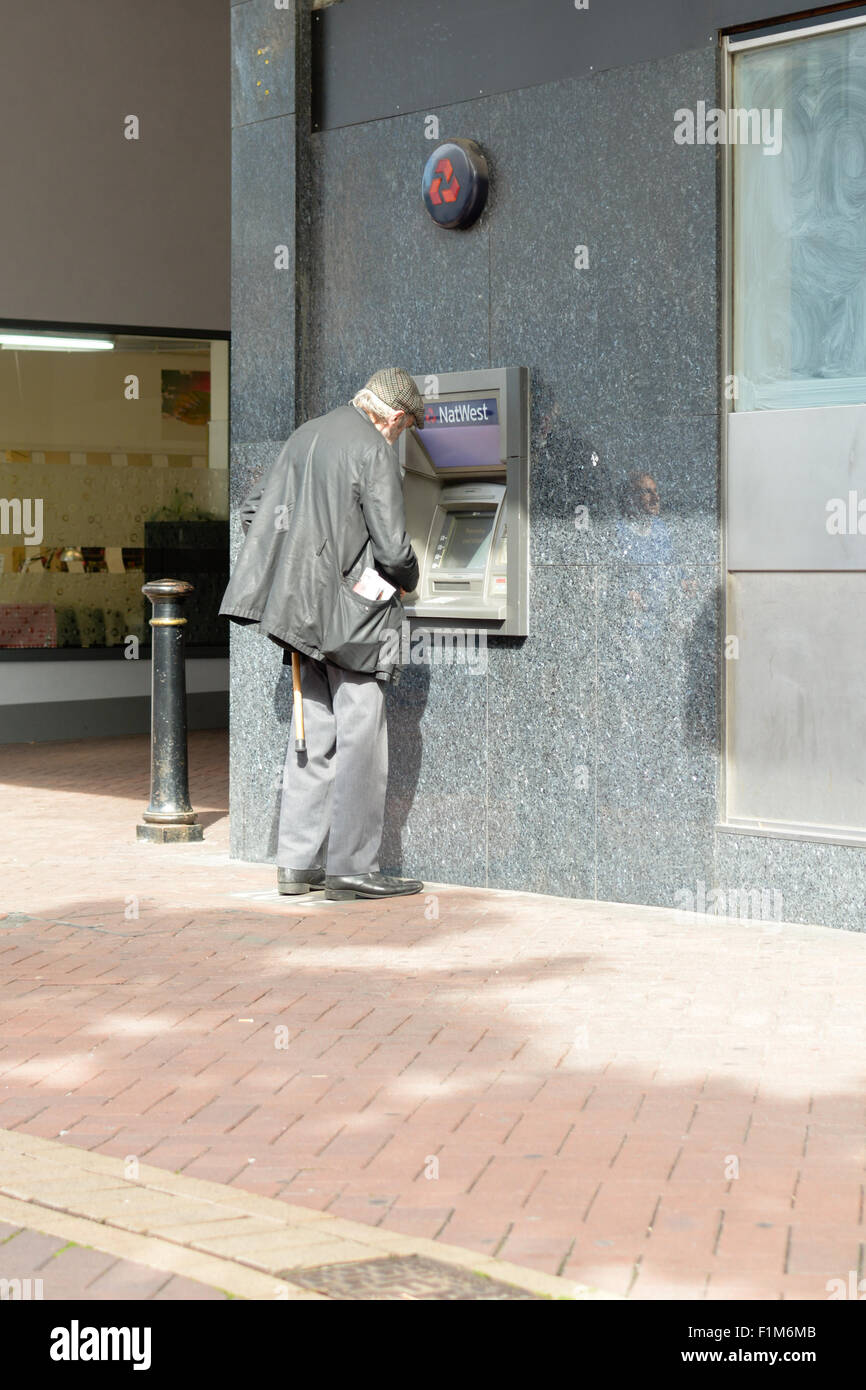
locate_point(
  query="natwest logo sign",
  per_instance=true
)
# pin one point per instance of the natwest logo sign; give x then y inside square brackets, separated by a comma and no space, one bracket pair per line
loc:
[454,183]
[444,170]
[469,412]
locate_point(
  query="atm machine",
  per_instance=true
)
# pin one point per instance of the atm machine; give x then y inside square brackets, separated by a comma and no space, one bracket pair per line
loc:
[466,487]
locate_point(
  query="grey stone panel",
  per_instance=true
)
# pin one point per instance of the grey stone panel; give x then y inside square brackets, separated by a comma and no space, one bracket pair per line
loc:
[261,712]
[542,718]
[682,457]
[543,311]
[260,700]
[387,286]
[817,883]
[263,61]
[249,462]
[263,297]
[658,734]
[580,484]
[592,162]
[512,47]
[436,809]
[622,355]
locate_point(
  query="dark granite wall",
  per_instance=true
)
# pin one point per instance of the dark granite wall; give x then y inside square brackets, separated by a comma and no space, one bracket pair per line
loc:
[584,760]
[448,51]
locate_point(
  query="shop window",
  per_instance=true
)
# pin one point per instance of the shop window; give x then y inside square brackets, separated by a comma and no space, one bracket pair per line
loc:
[113,470]
[800,224]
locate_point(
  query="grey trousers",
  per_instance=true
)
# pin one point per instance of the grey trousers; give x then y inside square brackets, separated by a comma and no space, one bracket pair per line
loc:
[333,796]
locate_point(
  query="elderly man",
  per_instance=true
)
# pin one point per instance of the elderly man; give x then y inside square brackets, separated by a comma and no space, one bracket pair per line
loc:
[330,508]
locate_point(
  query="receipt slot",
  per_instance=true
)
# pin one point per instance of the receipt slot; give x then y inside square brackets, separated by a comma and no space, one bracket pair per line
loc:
[466,491]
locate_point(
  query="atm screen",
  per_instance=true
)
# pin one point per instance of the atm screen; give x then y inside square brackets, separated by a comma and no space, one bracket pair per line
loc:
[468,540]
[463,433]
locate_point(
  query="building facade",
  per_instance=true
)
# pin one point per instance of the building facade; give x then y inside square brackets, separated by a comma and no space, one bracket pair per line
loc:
[684,724]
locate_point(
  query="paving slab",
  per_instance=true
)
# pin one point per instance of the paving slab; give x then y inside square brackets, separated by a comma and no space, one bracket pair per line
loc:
[520,1073]
[221,1248]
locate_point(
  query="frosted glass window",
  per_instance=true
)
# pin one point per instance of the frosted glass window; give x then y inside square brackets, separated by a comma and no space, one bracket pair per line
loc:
[800,226]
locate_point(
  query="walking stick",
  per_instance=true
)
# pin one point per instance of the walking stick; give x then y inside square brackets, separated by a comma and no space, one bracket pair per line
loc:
[300,740]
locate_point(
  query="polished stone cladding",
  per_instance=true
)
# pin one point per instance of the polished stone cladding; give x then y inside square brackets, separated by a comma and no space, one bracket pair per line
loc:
[583,760]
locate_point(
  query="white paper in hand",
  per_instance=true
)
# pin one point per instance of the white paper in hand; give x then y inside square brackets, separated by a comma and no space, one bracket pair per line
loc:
[372,585]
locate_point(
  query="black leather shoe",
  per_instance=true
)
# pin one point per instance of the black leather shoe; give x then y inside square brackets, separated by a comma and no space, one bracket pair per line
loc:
[299,880]
[343,887]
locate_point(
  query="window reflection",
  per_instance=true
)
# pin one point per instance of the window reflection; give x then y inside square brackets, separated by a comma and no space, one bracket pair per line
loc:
[113,469]
[799,227]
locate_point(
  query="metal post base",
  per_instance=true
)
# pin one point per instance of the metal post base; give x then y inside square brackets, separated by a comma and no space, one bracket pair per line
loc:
[163,834]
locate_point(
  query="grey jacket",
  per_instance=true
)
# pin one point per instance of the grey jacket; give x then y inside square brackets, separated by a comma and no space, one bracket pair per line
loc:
[330,505]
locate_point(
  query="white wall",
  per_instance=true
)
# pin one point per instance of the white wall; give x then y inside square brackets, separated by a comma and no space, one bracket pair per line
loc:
[44,682]
[98,229]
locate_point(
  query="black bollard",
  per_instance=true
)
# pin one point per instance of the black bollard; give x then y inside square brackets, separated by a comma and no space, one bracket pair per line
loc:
[170,815]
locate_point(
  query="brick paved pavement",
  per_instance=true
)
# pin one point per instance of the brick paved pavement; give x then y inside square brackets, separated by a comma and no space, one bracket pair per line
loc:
[51,1268]
[141,1231]
[660,1107]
